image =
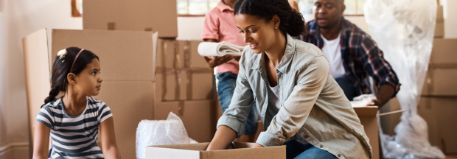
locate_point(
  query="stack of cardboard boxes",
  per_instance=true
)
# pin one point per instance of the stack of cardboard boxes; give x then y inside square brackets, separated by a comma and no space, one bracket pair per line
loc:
[146,73]
[438,101]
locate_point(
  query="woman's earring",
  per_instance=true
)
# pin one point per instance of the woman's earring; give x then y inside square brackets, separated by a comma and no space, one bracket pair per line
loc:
[276,27]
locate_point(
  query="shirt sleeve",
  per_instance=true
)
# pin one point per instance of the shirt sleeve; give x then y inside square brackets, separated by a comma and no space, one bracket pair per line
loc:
[211,26]
[375,64]
[104,113]
[235,116]
[46,116]
[296,109]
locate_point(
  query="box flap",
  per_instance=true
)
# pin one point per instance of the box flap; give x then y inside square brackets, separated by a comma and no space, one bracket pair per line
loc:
[276,152]
[124,55]
[366,111]
[136,15]
[170,153]
[37,74]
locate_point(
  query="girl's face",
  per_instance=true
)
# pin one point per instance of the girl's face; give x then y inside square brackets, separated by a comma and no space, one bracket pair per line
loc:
[89,80]
[257,33]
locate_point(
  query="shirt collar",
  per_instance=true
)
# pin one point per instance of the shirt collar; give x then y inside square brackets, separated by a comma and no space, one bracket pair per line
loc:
[223,7]
[259,61]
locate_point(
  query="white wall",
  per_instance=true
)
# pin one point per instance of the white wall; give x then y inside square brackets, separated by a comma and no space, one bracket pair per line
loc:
[18,19]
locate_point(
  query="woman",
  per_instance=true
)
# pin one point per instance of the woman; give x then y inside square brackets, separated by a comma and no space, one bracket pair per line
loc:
[300,104]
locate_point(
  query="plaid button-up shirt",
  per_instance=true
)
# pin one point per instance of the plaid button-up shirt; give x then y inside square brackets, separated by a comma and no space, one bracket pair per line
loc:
[361,57]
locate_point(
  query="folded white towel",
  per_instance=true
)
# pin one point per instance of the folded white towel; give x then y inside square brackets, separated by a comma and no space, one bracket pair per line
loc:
[219,49]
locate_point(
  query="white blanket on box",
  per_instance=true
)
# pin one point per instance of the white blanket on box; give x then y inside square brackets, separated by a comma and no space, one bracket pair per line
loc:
[219,49]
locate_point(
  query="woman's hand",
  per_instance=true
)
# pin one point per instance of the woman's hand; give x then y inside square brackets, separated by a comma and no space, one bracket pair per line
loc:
[256,145]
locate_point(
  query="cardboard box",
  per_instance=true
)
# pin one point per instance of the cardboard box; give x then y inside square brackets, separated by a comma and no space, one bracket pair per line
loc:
[127,63]
[197,151]
[440,82]
[443,52]
[439,25]
[182,74]
[439,113]
[136,15]
[185,86]
[368,118]
[197,116]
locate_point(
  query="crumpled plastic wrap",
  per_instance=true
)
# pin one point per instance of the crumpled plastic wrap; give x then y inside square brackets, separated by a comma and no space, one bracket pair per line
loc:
[160,132]
[363,100]
[403,30]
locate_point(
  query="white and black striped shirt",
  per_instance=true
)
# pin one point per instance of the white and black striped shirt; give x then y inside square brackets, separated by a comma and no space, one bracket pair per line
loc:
[74,136]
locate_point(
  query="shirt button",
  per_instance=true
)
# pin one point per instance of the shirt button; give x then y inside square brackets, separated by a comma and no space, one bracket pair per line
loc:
[321,146]
[339,155]
[306,136]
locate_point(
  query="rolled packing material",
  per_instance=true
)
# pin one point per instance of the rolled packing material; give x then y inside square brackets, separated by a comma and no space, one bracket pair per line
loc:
[219,49]
[160,132]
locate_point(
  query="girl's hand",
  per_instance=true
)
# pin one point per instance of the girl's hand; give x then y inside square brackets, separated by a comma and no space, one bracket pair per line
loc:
[257,145]
[216,61]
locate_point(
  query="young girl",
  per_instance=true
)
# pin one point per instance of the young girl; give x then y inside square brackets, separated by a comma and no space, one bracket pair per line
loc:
[300,104]
[73,120]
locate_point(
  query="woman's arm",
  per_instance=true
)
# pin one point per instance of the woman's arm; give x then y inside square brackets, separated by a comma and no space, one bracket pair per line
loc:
[41,141]
[108,138]
[295,110]
[224,135]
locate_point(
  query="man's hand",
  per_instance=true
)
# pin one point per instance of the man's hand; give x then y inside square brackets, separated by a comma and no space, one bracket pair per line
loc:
[216,61]
[386,91]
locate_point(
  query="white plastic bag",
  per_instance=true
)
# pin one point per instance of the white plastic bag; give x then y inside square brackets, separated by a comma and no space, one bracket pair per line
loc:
[403,30]
[160,132]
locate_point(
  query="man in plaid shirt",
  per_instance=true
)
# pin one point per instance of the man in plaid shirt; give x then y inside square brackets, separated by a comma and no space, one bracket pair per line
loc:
[352,54]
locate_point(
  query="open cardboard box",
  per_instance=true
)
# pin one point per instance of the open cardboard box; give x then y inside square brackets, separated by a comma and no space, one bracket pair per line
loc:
[369,119]
[185,86]
[127,63]
[238,150]
[135,15]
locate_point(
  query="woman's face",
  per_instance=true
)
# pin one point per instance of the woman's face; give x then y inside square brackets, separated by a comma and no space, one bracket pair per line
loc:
[257,33]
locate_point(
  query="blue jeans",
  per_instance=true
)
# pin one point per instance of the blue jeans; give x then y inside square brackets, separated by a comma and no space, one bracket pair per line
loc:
[225,89]
[297,150]
[348,88]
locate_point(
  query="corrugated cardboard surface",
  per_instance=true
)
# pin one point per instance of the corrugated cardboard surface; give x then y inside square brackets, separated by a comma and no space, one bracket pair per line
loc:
[36,68]
[369,120]
[127,63]
[197,151]
[440,82]
[124,55]
[182,74]
[130,102]
[439,113]
[439,26]
[198,117]
[136,15]
[444,52]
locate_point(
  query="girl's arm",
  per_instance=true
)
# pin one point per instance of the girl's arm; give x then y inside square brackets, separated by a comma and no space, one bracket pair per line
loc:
[41,141]
[108,138]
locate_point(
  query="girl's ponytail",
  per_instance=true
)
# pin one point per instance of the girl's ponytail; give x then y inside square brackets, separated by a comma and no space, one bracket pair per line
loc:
[52,95]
